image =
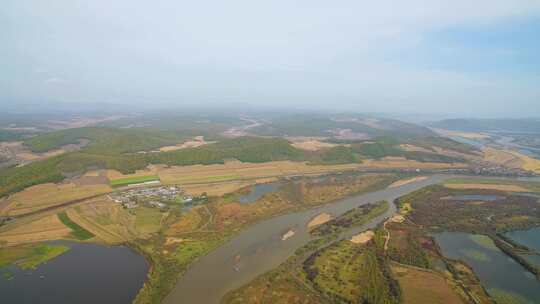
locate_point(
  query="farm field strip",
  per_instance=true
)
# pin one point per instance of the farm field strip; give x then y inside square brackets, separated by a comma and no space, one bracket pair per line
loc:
[500,187]
[78,231]
[133,180]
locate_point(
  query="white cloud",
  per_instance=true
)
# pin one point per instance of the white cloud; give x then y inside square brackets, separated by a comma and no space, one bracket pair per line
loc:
[253,49]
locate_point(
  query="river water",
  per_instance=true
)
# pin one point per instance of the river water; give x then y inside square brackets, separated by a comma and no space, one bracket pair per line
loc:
[87,273]
[260,248]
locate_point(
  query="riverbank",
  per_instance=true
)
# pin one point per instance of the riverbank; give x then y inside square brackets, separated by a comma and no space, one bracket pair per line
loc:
[260,247]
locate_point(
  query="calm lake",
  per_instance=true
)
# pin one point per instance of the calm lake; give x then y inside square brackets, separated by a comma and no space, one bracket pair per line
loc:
[87,273]
[496,271]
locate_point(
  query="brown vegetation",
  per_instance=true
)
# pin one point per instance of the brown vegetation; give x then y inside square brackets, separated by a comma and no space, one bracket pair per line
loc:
[424,286]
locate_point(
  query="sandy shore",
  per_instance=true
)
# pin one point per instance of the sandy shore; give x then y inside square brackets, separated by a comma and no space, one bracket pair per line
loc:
[319,219]
[288,235]
[363,237]
[407,181]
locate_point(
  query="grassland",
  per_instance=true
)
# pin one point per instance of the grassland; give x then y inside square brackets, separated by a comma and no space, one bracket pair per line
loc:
[133,180]
[78,232]
[506,213]
[352,218]
[350,273]
[405,246]
[30,256]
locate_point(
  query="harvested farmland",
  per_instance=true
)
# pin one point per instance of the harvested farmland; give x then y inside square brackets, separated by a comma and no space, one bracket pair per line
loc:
[48,227]
[424,286]
[49,195]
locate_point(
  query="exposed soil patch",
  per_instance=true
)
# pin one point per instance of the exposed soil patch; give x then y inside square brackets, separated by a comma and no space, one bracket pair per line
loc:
[312,145]
[348,134]
[242,130]
[197,141]
[17,151]
[363,237]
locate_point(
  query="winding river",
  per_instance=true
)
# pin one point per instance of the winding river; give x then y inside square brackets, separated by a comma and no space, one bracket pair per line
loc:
[260,247]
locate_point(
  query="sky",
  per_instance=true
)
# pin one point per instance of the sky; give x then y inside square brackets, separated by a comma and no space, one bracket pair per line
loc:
[462,58]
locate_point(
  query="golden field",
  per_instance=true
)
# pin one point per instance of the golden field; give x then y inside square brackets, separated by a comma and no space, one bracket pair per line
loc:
[512,159]
[500,187]
[528,163]
[403,163]
[45,228]
[49,195]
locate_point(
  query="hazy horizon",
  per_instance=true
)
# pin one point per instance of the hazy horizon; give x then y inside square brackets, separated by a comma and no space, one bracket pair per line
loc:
[457,59]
